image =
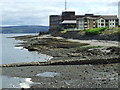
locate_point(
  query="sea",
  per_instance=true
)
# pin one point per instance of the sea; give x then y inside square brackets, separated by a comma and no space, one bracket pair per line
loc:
[9,54]
[12,54]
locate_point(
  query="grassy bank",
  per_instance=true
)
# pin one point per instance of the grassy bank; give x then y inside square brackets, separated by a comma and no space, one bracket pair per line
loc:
[111,34]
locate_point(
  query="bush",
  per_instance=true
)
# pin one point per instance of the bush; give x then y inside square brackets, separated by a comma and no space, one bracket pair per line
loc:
[95,31]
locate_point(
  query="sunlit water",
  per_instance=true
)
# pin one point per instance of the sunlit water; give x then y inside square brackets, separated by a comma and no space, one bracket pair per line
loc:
[48,74]
[12,54]
[15,82]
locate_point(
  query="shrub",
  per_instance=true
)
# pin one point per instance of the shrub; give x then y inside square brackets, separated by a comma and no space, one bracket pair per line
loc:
[95,31]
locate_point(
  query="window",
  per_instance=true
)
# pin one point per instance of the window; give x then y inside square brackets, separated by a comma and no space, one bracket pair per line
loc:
[116,20]
[102,20]
[106,20]
[106,24]
[116,24]
[102,24]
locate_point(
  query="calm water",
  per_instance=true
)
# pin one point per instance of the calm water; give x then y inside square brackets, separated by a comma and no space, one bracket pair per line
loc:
[12,54]
[15,82]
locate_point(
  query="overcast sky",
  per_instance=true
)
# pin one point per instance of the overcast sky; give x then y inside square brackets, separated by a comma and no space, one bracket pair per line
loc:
[36,12]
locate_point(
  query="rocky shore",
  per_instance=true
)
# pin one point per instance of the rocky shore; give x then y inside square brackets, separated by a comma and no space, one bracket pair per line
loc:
[79,64]
[69,76]
[67,52]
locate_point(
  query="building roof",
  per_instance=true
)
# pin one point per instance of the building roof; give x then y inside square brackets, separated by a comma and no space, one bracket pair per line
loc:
[107,17]
[93,18]
[54,15]
[68,11]
[69,22]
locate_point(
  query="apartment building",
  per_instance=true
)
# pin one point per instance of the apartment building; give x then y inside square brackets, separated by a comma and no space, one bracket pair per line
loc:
[68,20]
[108,21]
[89,22]
[86,23]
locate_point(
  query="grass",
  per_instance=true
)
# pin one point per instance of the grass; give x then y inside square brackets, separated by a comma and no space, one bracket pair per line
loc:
[95,31]
[111,31]
[66,30]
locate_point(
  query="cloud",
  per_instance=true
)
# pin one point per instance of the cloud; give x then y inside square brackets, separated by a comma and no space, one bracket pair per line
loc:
[32,12]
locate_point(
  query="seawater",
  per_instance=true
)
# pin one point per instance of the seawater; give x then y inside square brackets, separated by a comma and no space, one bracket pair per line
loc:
[15,82]
[12,54]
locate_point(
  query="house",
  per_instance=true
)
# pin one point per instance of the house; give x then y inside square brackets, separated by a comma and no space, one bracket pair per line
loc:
[69,20]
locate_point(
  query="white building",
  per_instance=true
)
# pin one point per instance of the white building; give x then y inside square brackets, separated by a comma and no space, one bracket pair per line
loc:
[86,22]
[100,22]
[107,21]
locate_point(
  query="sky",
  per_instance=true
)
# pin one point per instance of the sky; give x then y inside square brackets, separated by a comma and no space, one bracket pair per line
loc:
[36,12]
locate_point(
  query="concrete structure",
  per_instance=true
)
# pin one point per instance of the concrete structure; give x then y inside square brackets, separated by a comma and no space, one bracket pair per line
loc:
[68,20]
[54,22]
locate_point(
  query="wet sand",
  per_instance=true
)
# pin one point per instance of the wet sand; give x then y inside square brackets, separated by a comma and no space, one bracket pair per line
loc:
[71,76]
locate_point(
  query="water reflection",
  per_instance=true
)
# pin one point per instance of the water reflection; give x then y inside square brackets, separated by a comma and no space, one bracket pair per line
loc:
[48,74]
[16,82]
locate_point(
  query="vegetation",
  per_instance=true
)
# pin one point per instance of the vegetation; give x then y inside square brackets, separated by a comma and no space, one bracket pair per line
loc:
[66,30]
[95,31]
[111,31]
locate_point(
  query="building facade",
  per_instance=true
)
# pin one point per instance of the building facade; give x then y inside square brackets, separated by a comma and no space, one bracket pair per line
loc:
[110,21]
[86,23]
[69,20]
[54,22]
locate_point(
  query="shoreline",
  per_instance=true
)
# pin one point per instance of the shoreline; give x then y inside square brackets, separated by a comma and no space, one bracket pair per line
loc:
[64,54]
[78,67]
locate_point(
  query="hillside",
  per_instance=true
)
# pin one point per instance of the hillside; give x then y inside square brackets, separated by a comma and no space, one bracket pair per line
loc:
[23,29]
[112,34]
